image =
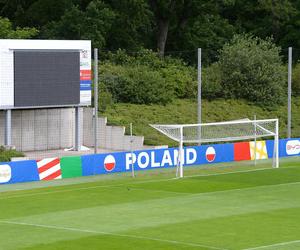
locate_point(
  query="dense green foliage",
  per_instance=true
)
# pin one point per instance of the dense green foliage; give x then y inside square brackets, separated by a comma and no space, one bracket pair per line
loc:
[5,154]
[146,78]
[296,80]
[93,24]
[211,82]
[248,68]
[251,69]
[233,205]
[7,31]
[165,25]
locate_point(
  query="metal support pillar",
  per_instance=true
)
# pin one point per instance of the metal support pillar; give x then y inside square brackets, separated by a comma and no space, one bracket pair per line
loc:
[7,140]
[77,129]
[289,114]
[95,100]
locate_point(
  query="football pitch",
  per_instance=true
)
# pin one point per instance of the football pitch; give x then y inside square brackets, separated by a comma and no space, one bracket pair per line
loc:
[222,206]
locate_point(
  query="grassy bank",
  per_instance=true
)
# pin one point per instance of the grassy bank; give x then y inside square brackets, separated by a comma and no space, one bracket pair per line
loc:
[185,111]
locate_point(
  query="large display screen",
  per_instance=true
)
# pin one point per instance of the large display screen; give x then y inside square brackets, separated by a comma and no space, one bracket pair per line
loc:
[45,73]
[46,78]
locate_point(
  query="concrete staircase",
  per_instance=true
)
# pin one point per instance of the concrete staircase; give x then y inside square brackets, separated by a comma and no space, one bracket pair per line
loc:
[109,137]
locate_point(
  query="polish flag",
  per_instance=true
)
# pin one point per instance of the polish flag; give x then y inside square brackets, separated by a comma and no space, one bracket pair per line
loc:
[210,154]
[109,163]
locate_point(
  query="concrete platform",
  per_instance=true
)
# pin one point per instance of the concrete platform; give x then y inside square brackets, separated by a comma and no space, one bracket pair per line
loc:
[35,155]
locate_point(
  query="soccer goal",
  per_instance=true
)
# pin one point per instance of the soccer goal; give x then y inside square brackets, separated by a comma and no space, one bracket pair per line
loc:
[237,130]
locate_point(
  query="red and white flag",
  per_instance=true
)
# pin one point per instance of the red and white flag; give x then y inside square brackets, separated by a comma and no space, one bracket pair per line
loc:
[109,163]
[49,168]
[210,154]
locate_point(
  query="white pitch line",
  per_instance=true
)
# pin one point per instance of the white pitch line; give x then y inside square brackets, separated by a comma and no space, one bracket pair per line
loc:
[112,234]
[141,182]
[230,172]
[274,245]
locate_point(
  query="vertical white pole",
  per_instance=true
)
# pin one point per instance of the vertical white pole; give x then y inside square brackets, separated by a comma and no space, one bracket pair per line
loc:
[277,144]
[255,130]
[289,121]
[181,152]
[199,94]
[178,162]
[131,151]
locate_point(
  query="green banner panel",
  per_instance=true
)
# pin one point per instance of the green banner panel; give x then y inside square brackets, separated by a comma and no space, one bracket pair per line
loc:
[71,166]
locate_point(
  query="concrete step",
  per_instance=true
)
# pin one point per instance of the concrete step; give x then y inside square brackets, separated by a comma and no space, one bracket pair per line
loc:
[109,137]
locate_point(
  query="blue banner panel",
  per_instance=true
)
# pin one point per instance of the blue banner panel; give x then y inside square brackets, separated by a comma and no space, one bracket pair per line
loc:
[270,148]
[156,158]
[215,153]
[103,163]
[18,171]
[86,85]
[159,158]
[287,147]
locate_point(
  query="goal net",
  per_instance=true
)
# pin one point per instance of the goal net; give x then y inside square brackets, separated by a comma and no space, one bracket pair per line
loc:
[237,130]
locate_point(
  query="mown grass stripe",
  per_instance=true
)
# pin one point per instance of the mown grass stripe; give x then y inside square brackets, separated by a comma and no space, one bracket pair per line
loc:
[126,186]
[112,234]
[123,185]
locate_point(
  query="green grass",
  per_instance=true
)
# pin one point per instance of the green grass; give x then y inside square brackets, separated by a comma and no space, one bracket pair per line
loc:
[221,206]
[185,111]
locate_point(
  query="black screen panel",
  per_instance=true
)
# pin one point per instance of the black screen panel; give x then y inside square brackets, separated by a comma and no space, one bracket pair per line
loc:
[46,78]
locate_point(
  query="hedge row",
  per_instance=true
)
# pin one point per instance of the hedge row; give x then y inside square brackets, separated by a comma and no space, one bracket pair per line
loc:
[248,68]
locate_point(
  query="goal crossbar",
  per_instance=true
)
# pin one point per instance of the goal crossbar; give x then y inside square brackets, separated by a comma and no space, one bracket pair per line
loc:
[237,130]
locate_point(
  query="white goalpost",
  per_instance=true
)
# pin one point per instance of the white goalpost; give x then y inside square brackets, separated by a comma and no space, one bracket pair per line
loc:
[237,130]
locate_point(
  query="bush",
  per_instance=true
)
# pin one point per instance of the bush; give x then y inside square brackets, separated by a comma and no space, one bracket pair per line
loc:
[296,80]
[251,69]
[146,78]
[136,84]
[6,154]
[105,98]
[211,82]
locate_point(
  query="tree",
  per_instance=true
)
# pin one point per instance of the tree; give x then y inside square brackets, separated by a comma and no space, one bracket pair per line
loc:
[41,12]
[209,32]
[93,24]
[132,27]
[173,15]
[271,16]
[163,11]
[251,69]
[14,10]
[190,24]
[7,31]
